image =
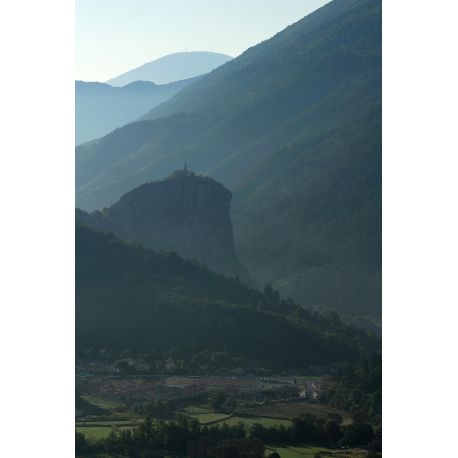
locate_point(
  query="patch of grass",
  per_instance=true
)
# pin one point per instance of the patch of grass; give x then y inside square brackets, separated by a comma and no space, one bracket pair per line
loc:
[104,403]
[206,418]
[249,421]
[296,452]
[204,415]
[310,452]
[195,410]
[111,423]
[290,410]
[99,432]
[94,432]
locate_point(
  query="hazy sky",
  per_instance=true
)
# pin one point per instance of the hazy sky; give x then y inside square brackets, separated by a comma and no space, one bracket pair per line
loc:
[113,36]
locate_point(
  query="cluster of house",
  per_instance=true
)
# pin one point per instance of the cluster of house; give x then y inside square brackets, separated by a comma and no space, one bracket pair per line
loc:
[215,383]
[126,388]
[127,365]
[155,388]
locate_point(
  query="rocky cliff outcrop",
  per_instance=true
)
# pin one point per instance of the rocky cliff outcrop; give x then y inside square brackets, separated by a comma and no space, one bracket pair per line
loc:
[185,213]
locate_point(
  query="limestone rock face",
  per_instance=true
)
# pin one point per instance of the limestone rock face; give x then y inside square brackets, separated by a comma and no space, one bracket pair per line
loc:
[185,213]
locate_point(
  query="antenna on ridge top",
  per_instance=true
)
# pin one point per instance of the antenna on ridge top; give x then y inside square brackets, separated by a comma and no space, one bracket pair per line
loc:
[185,166]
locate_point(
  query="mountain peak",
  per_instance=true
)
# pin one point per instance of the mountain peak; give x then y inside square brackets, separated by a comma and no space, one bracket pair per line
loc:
[173,67]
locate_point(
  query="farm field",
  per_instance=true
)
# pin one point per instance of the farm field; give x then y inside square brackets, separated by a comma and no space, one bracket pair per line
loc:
[290,410]
[98,432]
[116,418]
[210,418]
[249,421]
[104,403]
[296,452]
[96,423]
[205,416]
[310,452]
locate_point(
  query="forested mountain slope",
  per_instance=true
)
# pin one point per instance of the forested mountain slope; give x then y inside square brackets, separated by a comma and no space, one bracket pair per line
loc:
[130,297]
[293,128]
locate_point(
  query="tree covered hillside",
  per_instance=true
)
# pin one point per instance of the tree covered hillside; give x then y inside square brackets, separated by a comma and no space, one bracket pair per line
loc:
[293,128]
[130,297]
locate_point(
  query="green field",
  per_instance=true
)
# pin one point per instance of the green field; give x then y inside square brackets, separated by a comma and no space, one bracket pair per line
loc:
[97,423]
[248,421]
[296,452]
[97,432]
[101,428]
[104,403]
[196,410]
[206,418]
[204,415]
[309,452]
[290,410]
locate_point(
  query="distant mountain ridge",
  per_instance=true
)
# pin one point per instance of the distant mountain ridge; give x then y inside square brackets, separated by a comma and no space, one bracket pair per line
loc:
[101,108]
[173,67]
[293,128]
[184,213]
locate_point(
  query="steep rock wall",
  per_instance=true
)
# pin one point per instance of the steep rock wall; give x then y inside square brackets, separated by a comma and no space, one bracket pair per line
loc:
[185,213]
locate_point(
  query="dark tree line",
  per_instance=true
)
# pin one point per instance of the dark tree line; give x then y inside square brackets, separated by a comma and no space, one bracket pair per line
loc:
[184,436]
[358,390]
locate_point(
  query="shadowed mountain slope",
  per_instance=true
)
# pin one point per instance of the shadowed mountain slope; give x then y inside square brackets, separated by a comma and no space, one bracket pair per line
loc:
[130,297]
